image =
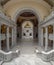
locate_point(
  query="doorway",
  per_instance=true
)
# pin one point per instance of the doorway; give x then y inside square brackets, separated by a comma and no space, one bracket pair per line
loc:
[27,30]
[27,26]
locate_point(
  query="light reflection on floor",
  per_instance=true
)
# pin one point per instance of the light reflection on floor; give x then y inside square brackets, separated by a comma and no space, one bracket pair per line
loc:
[27,59]
[27,54]
[27,46]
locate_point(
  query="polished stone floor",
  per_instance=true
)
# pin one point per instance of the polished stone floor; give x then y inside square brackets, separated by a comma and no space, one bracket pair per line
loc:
[27,54]
[27,59]
[27,46]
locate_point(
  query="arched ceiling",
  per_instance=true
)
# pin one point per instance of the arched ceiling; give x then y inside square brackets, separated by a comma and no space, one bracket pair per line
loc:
[40,6]
[51,2]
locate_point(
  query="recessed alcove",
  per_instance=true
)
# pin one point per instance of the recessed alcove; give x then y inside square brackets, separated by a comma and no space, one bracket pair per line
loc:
[30,17]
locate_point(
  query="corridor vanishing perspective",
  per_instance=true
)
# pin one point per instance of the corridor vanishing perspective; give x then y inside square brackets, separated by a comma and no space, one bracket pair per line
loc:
[26,32]
[27,46]
[27,25]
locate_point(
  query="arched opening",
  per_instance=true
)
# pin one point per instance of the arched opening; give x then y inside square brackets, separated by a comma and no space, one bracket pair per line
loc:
[27,31]
[27,26]
[4,35]
[50,37]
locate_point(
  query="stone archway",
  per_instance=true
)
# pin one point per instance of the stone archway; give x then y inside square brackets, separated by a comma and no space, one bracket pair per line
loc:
[26,9]
[20,11]
[27,15]
[29,44]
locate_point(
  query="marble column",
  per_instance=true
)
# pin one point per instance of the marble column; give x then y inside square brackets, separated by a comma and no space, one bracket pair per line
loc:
[12,37]
[42,37]
[46,38]
[0,37]
[39,36]
[8,48]
[53,36]
[15,35]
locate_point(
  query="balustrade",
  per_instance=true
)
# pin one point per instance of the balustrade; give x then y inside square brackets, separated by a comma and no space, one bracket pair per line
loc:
[46,56]
[7,56]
